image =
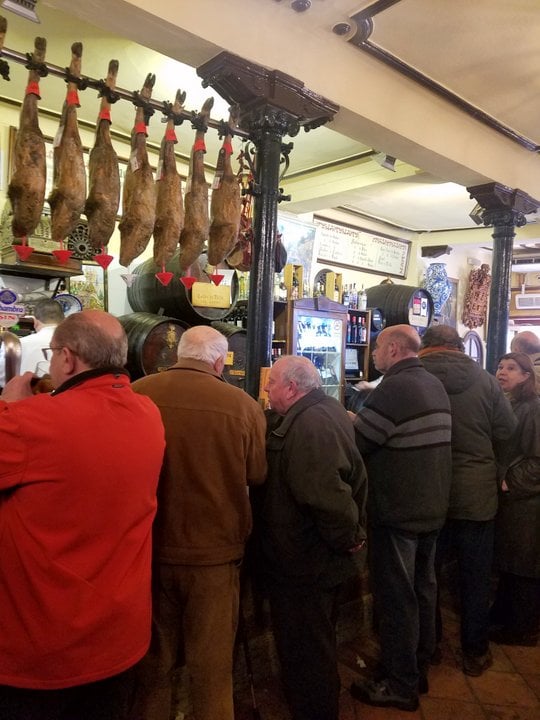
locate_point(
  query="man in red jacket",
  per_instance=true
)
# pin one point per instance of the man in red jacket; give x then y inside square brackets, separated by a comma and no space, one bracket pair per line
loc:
[78,477]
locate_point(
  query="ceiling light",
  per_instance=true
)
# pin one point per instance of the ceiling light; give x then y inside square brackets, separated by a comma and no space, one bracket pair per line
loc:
[23,8]
[386,161]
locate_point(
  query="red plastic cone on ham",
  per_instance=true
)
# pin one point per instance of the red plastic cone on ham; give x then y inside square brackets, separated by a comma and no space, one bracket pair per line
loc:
[23,251]
[103,259]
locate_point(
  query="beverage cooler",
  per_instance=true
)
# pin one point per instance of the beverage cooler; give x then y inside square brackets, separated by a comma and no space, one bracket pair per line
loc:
[318,331]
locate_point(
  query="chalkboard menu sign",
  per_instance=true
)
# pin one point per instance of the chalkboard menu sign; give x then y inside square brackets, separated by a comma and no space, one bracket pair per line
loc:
[351,247]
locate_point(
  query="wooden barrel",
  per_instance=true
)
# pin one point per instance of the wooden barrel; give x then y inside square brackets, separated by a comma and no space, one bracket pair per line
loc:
[147,294]
[235,369]
[152,342]
[402,304]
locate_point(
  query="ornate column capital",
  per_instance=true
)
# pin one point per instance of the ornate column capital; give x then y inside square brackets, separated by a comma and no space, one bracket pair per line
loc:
[265,98]
[501,205]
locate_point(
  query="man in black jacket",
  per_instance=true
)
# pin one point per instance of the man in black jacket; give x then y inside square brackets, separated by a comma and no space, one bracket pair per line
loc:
[403,432]
[481,417]
[311,531]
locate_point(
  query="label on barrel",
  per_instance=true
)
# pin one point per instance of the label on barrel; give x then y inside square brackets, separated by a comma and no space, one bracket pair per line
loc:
[229,360]
[210,295]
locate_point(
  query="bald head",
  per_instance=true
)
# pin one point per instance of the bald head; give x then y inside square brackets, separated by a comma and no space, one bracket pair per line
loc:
[393,344]
[525,342]
[95,337]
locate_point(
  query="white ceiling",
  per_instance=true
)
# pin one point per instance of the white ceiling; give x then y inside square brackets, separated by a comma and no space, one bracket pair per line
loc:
[486,52]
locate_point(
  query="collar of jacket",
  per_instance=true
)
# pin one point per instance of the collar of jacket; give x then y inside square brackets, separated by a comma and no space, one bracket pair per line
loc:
[197,366]
[312,398]
[88,375]
[437,349]
[403,365]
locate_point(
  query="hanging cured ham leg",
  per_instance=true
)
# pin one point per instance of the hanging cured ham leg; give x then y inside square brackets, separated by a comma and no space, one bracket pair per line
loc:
[139,197]
[68,196]
[26,189]
[103,200]
[169,206]
[196,221]
[225,205]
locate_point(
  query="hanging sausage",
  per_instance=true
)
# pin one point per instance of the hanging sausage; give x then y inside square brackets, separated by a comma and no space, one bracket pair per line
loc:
[103,199]
[169,206]
[26,189]
[68,196]
[139,197]
[194,236]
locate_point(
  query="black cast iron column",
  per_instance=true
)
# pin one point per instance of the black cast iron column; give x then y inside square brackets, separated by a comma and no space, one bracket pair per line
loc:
[504,209]
[270,105]
[267,129]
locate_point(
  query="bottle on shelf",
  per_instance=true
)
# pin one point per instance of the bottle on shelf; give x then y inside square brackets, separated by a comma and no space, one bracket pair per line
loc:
[354,329]
[345,299]
[336,290]
[362,300]
[295,292]
[349,328]
[277,281]
[353,303]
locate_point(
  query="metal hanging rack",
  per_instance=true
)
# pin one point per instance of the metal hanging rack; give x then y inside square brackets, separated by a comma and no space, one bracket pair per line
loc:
[84,82]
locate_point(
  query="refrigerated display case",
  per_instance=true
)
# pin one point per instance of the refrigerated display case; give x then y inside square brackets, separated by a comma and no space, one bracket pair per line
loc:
[318,329]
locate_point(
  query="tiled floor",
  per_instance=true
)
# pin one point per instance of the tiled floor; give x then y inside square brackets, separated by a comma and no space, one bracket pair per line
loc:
[509,690]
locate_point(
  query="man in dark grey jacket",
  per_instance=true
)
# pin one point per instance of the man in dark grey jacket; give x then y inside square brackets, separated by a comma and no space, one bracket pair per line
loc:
[481,416]
[403,432]
[311,531]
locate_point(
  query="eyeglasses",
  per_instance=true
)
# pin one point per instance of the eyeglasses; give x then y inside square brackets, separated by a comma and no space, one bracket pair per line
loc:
[48,351]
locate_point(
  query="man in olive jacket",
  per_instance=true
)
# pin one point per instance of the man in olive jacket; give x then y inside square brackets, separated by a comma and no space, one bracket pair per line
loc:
[311,531]
[481,418]
[215,435]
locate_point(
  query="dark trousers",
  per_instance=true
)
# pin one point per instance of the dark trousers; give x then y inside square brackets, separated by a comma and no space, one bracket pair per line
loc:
[304,625]
[405,593]
[108,699]
[472,542]
[517,605]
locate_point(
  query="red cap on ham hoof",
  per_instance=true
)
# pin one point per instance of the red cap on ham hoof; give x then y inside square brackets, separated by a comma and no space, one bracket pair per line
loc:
[216,278]
[103,259]
[23,251]
[164,277]
[62,256]
[187,281]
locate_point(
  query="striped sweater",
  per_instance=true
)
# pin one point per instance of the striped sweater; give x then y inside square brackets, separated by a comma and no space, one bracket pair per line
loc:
[404,432]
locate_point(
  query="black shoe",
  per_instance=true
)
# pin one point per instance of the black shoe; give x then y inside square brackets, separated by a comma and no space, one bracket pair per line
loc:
[381,695]
[423,685]
[474,665]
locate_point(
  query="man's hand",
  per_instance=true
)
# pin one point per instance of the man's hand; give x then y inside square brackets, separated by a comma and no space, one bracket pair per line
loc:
[18,388]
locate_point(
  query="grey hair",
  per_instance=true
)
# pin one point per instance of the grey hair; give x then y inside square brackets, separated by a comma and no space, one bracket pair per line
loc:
[48,312]
[525,342]
[301,370]
[203,343]
[92,343]
[442,335]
